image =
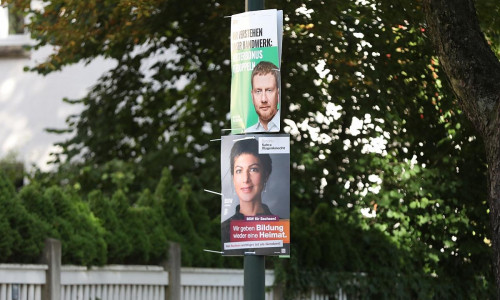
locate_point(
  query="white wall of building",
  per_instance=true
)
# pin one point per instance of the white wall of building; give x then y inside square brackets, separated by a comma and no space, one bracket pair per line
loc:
[30,103]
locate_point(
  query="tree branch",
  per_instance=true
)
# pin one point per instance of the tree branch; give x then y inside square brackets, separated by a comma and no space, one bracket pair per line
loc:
[471,66]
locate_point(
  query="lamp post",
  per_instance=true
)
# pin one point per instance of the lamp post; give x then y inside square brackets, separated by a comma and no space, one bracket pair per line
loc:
[254,265]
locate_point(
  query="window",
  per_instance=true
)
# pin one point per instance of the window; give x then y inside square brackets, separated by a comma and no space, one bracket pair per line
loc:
[12,34]
[16,23]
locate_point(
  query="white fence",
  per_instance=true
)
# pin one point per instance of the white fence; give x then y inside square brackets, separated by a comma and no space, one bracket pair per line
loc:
[53,281]
[25,282]
[113,283]
[21,282]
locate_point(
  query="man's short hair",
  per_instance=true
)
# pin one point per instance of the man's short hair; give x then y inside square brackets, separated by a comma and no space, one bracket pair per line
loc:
[264,68]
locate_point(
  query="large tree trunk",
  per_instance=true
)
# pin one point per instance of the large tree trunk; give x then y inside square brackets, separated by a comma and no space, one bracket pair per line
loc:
[474,74]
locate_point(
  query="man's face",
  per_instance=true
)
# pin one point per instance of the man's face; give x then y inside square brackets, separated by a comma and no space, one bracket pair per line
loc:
[265,97]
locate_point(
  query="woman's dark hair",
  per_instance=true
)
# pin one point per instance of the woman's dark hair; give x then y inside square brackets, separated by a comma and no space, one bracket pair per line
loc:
[251,146]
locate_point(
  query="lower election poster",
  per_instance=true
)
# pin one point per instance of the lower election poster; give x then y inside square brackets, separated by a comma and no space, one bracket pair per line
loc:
[255,175]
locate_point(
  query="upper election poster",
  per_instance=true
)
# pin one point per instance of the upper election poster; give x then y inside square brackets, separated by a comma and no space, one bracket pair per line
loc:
[255,179]
[256,39]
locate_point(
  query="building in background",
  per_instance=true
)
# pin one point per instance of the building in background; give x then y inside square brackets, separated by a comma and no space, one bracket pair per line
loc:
[31,103]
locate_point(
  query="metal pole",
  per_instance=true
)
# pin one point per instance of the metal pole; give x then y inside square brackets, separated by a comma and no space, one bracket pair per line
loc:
[254,265]
[254,5]
[254,277]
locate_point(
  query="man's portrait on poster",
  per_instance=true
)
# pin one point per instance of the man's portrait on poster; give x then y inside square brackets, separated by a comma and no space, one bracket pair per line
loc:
[265,90]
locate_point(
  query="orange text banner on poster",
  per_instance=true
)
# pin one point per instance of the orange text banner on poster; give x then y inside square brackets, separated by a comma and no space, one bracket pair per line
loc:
[243,231]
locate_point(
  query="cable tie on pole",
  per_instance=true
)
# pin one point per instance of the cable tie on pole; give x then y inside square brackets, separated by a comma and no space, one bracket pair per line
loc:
[240,129]
[213,251]
[213,192]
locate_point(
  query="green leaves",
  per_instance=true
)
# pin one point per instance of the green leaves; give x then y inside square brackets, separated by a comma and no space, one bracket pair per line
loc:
[388,179]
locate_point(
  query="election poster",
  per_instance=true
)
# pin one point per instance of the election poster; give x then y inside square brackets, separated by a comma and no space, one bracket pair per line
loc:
[255,179]
[256,39]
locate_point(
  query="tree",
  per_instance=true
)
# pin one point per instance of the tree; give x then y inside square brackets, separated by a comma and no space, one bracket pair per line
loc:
[13,168]
[22,232]
[382,161]
[473,71]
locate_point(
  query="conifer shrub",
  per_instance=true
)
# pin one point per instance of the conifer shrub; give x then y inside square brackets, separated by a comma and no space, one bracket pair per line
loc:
[22,233]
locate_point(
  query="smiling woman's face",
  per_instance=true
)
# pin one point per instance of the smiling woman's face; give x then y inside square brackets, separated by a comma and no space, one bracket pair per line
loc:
[248,177]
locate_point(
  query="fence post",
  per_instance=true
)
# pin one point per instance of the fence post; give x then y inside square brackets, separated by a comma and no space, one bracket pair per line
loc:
[173,267]
[52,258]
[278,291]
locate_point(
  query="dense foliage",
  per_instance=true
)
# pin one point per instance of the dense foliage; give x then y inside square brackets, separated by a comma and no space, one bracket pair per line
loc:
[101,230]
[388,179]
